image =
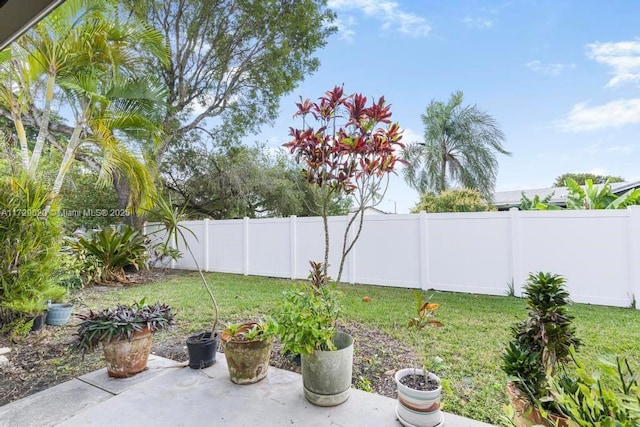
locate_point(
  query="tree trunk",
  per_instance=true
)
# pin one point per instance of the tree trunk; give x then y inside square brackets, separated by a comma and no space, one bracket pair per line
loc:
[123,190]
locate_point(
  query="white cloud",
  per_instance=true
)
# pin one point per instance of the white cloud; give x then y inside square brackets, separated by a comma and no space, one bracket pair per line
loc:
[479,23]
[623,57]
[610,115]
[389,12]
[620,149]
[345,28]
[409,136]
[549,69]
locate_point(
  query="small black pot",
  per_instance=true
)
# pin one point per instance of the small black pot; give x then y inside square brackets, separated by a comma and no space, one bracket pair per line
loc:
[38,321]
[202,350]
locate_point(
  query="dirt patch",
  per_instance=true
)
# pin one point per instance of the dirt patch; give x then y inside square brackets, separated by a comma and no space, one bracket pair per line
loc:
[44,358]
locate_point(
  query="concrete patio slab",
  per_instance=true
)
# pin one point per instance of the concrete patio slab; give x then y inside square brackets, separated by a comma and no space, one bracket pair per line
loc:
[52,406]
[155,366]
[179,396]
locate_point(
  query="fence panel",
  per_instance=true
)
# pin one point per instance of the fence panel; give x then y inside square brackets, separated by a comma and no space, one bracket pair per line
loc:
[483,252]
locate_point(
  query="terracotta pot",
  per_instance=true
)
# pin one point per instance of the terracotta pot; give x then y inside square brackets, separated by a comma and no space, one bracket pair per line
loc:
[528,415]
[127,357]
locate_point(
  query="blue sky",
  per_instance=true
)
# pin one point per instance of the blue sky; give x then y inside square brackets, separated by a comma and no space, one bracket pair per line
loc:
[561,77]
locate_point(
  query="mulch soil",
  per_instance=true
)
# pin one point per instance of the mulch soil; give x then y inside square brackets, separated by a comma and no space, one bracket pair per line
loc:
[43,359]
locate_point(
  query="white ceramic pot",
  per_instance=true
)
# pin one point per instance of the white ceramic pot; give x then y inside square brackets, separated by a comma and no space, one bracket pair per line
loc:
[417,407]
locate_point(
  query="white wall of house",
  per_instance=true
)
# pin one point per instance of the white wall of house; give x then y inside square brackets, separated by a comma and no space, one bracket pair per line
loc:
[598,252]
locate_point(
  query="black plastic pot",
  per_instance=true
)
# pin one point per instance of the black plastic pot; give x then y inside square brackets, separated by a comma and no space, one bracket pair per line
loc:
[38,321]
[202,350]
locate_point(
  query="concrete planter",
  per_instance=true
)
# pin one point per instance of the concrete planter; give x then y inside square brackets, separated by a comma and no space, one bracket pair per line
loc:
[418,407]
[248,361]
[127,357]
[326,375]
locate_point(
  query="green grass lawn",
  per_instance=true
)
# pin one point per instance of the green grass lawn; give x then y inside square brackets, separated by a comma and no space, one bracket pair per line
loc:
[476,327]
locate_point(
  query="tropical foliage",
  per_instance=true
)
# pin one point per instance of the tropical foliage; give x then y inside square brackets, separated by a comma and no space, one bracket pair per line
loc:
[30,242]
[115,247]
[83,57]
[458,200]
[459,148]
[588,196]
[352,151]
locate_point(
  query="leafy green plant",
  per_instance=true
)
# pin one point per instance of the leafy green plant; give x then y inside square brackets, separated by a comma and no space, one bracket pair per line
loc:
[610,397]
[115,247]
[305,319]
[245,331]
[458,200]
[120,323]
[592,196]
[537,203]
[30,230]
[541,343]
[425,311]
[77,267]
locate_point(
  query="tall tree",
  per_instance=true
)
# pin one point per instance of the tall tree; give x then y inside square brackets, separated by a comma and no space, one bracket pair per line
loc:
[581,178]
[235,182]
[230,62]
[460,146]
[83,58]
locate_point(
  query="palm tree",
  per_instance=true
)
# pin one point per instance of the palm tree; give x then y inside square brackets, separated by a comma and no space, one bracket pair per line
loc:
[86,58]
[460,148]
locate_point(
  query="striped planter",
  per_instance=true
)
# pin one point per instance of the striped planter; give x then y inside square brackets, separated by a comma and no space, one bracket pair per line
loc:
[416,407]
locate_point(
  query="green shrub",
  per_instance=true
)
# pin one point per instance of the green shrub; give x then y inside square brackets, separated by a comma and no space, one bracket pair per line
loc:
[305,319]
[30,238]
[77,267]
[542,341]
[460,200]
[610,397]
[115,247]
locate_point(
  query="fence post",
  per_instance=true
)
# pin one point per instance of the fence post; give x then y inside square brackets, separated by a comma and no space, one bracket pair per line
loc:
[634,253]
[292,246]
[206,245]
[514,252]
[245,246]
[424,250]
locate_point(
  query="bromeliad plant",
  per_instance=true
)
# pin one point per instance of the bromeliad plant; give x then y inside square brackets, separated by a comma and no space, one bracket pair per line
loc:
[348,153]
[120,322]
[115,247]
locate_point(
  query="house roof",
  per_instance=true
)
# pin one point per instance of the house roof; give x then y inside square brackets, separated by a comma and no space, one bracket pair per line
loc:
[504,200]
[17,16]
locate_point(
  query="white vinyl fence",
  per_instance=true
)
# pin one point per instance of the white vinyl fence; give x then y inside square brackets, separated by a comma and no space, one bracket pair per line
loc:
[598,252]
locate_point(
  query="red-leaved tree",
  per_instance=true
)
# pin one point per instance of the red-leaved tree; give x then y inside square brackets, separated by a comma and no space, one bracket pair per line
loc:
[351,151]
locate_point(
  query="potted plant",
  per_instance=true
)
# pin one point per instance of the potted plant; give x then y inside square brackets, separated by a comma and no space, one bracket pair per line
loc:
[305,321]
[541,344]
[125,332]
[419,395]
[58,313]
[419,390]
[201,347]
[247,348]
